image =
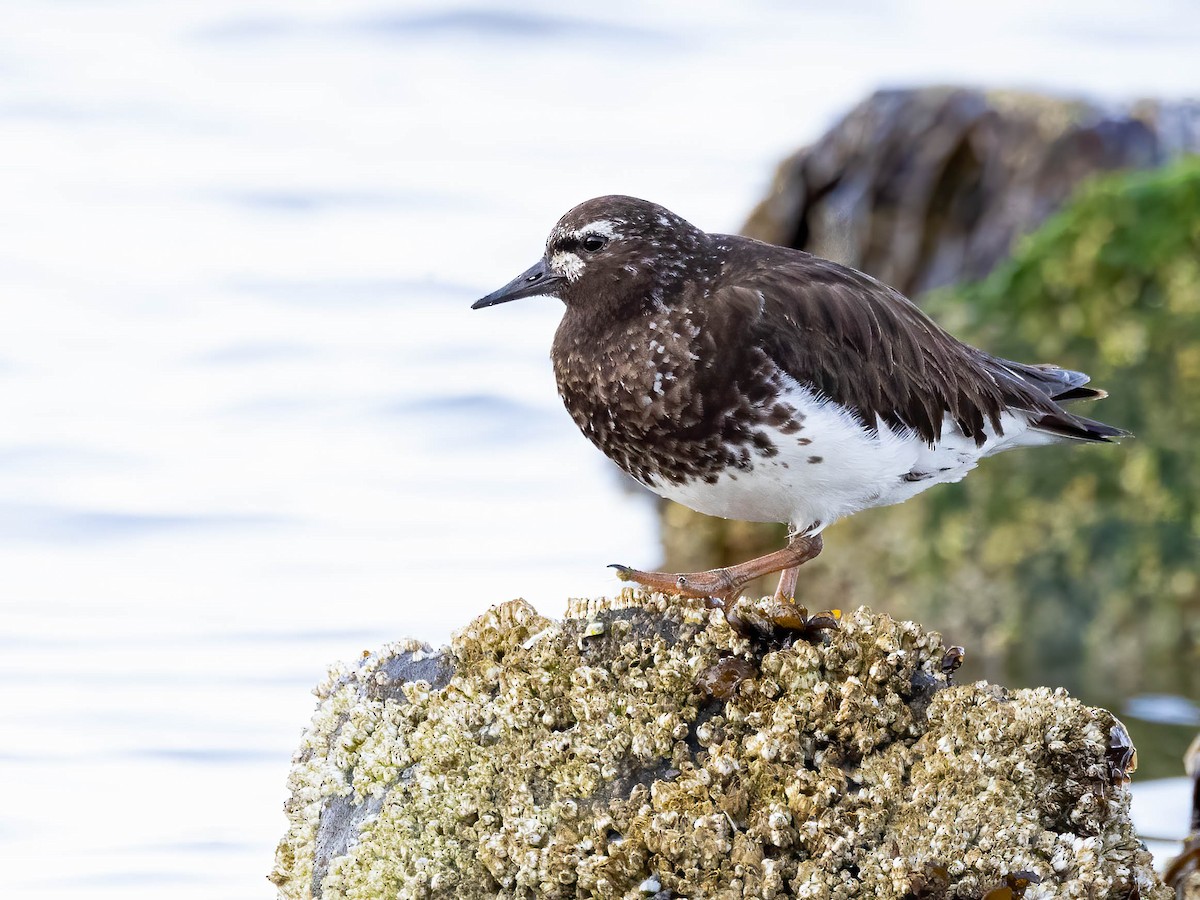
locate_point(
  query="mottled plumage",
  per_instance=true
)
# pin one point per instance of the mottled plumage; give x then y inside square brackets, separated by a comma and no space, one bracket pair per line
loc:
[760,382]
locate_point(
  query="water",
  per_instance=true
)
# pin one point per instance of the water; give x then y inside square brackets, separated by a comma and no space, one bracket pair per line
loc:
[250,426]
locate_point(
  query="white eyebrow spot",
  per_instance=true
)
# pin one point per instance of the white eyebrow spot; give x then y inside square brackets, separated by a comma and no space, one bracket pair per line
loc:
[568,265]
[602,227]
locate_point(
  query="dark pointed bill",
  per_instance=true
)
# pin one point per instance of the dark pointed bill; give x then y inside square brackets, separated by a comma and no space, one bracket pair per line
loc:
[534,281]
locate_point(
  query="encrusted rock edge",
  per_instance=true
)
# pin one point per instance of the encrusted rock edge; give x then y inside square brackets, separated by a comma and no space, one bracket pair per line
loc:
[639,747]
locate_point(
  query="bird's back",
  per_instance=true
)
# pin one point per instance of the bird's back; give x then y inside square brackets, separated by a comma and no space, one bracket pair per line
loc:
[869,349]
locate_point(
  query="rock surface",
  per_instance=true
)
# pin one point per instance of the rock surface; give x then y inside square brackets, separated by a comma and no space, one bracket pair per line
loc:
[639,748]
[928,187]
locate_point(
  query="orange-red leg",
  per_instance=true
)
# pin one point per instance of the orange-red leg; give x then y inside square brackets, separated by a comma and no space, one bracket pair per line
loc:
[725,584]
[786,592]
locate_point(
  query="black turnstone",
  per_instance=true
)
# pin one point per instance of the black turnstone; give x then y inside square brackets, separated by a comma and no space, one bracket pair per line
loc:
[757,382]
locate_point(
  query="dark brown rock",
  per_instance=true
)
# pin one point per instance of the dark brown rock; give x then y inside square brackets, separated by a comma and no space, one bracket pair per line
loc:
[925,188]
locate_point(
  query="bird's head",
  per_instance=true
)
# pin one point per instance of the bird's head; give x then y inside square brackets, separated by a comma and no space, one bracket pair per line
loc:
[610,255]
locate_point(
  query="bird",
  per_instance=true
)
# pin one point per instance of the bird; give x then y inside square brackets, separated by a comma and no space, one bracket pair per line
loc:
[758,382]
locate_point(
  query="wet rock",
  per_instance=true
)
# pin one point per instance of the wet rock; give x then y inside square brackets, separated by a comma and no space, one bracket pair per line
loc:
[592,757]
[928,187]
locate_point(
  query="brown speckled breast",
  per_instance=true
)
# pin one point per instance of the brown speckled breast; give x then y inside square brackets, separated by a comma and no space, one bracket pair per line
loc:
[670,395]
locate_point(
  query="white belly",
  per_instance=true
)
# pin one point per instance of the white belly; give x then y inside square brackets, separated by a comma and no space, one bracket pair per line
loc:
[834,467]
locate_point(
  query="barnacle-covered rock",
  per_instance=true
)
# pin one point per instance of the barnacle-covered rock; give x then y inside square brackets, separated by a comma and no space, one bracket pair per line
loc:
[641,748]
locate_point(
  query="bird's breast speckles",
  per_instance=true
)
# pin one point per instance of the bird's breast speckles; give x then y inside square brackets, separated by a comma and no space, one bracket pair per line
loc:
[657,396]
[785,417]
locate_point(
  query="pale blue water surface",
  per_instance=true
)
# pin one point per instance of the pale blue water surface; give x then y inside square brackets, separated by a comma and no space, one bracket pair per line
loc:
[247,423]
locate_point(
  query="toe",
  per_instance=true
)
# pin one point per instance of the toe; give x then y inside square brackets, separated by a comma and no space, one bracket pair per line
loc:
[624,573]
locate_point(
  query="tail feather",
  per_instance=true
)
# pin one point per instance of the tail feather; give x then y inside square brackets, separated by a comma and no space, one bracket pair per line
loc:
[1063,386]
[1080,393]
[1078,428]
[1060,384]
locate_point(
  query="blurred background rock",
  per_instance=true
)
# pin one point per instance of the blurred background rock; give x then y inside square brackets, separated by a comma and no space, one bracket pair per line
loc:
[1073,566]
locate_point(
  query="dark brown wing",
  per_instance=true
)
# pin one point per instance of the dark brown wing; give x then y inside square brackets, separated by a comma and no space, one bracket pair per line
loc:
[867,347]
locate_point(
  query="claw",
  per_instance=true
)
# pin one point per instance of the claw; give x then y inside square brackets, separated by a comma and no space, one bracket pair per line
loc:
[624,573]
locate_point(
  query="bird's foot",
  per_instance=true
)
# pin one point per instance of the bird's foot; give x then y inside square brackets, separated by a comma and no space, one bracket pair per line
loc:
[713,583]
[716,587]
[722,587]
[772,618]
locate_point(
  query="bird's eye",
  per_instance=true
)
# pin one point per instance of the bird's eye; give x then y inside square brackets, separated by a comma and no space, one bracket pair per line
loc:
[593,243]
